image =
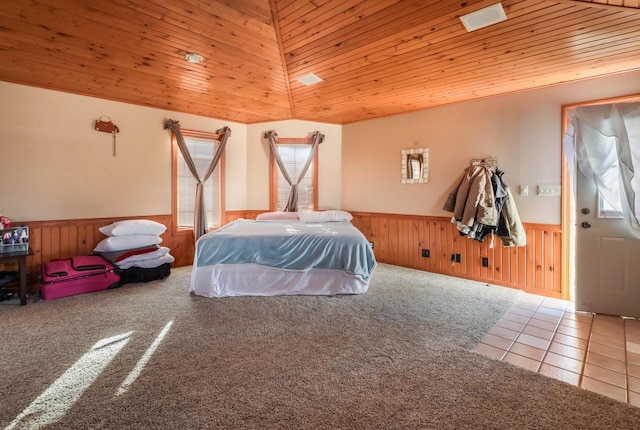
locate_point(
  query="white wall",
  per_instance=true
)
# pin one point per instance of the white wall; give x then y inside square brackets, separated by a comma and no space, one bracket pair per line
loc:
[329,159]
[56,166]
[522,130]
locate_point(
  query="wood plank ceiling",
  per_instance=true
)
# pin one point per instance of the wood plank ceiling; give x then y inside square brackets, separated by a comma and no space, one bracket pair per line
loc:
[377,57]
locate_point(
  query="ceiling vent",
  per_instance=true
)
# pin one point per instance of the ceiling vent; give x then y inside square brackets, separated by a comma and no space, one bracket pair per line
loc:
[309,79]
[484,17]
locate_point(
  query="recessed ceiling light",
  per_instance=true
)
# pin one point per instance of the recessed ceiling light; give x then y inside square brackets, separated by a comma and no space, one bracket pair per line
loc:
[484,17]
[193,57]
[309,79]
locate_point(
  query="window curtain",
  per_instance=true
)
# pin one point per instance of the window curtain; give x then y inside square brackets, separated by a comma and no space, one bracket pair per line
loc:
[200,226]
[317,139]
[604,142]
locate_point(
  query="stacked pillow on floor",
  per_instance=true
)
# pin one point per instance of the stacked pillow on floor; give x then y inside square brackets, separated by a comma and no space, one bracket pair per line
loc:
[133,246]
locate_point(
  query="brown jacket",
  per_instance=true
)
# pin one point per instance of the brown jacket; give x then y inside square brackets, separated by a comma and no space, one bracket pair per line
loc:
[472,200]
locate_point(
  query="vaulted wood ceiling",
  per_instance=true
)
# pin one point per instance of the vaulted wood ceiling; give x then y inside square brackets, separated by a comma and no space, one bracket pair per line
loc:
[377,57]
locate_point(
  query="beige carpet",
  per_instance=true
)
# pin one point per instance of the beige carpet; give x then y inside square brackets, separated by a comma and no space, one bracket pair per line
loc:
[152,356]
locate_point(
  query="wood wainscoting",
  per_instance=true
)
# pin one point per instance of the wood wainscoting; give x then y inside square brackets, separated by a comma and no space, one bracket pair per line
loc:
[57,239]
[400,239]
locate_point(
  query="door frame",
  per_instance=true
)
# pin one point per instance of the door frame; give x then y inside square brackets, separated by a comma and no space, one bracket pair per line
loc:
[568,203]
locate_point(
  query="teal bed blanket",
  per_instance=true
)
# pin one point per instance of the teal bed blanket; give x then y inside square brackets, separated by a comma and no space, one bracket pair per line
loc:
[289,245]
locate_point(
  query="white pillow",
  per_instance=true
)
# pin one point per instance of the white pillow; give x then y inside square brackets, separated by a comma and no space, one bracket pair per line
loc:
[133,226]
[131,241]
[147,264]
[277,216]
[325,216]
[160,252]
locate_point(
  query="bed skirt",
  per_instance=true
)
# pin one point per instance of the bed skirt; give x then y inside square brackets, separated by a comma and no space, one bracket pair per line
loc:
[227,280]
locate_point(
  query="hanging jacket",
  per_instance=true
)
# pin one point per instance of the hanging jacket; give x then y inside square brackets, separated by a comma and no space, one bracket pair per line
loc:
[510,228]
[473,200]
[500,193]
[482,203]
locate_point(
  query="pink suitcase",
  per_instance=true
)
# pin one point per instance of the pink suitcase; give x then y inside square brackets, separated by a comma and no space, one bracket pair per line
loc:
[77,275]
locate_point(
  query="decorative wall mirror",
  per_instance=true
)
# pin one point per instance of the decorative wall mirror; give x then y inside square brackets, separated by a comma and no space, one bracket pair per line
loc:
[415,166]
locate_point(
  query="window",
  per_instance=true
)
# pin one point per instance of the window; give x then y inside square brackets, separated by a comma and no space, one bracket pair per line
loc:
[202,147]
[294,153]
[606,210]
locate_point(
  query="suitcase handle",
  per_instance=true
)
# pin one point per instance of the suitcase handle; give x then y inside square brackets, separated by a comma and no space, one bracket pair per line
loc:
[85,267]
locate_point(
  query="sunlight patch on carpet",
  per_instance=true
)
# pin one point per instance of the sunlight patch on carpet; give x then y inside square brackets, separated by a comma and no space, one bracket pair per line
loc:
[131,378]
[56,400]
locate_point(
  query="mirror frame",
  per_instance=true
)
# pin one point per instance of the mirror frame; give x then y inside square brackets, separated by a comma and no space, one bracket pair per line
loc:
[421,155]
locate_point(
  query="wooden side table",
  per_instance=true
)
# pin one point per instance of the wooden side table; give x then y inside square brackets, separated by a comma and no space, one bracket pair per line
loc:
[21,256]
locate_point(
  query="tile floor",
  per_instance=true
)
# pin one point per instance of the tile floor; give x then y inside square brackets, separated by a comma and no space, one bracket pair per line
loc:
[600,353]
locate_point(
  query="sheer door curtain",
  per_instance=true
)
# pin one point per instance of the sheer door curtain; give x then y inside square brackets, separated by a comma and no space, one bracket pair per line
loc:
[604,142]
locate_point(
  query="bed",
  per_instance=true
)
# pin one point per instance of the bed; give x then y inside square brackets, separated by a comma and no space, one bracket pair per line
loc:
[282,257]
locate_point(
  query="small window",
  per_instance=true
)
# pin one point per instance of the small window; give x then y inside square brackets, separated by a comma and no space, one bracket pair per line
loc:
[605,210]
[294,154]
[202,147]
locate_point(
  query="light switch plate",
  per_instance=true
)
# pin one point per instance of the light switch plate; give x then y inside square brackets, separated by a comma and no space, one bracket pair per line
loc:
[549,190]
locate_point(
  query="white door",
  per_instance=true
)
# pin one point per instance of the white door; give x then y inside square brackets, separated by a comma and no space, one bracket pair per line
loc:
[607,257]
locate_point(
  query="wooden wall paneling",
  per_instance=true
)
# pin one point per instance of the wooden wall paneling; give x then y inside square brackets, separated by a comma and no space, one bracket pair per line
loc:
[398,240]
[478,253]
[521,263]
[557,264]
[401,242]
[55,242]
[468,256]
[429,233]
[50,240]
[495,261]
[456,248]
[539,260]
[443,248]
[442,261]
[514,268]
[434,238]
[453,239]
[447,242]
[530,260]
[547,265]
[45,244]
[505,265]
[383,237]
[180,249]
[375,237]
[496,258]
[534,268]
[34,263]
[412,242]
[483,250]
[83,240]
[413,250]
[91,238]
[416,250]
[364,225]
[405,242]
[423,243]
[393,256]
